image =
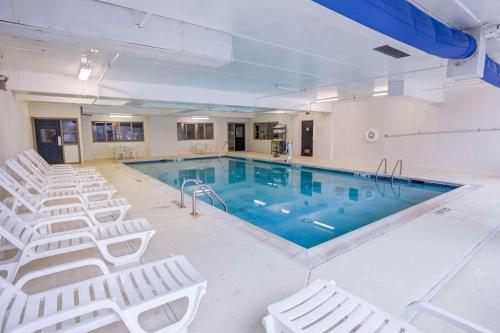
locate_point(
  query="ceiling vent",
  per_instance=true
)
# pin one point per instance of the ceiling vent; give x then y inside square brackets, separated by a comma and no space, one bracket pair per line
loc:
[391,52]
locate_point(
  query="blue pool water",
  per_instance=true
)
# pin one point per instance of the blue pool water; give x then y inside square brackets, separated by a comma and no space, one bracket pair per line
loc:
[307,206]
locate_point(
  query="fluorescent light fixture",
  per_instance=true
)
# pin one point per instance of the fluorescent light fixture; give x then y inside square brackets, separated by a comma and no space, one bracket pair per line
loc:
[328,99]
[200,118]
[111,102]
[85,71]
[259,203]
[380,93]
[120,115]
[285,211]
[324,225]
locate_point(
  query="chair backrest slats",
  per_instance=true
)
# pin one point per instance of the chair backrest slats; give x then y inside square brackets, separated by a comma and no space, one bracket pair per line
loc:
[14,229]
[24,174]
[19,193]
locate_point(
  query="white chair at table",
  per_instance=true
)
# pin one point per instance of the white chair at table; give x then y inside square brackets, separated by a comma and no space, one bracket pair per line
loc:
[120,152]
[130,152]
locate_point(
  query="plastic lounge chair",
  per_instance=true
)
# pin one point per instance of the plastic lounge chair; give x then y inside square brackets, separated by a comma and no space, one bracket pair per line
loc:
[61,188]
[111,297]
[46,168]
[49,171]
[67,180]
[38,159]
[35,204]
[37,241]
[324,307]
[92,179]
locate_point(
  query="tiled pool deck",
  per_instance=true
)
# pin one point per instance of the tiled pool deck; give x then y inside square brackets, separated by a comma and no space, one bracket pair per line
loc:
[246,271]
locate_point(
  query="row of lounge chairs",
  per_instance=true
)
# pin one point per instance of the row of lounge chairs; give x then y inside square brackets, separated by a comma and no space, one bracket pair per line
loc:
[52,210]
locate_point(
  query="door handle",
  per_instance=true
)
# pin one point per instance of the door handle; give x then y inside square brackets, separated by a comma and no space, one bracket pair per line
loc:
[59,141]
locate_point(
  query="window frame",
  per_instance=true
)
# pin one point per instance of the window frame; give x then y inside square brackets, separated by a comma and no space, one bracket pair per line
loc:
[115,128]
[196,128]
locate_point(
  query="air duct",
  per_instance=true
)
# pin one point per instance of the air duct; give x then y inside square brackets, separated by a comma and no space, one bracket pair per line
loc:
[492,72]
[403,21]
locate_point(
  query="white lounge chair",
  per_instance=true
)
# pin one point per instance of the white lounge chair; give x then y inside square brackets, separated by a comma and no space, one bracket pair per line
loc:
[45,168]
[60,188]
[38,159]
[324,307]
[111,297]
[38,241]
[93,179]
[36,204]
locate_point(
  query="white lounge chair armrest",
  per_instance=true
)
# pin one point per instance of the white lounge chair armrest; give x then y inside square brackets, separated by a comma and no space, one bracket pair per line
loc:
[60,237]
[55,207]
[61,268]
[69,314]
[51,221]
[451,318]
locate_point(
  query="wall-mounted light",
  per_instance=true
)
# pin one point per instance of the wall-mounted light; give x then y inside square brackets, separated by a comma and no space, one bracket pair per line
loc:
[120,115]
[380,93]
[200,118]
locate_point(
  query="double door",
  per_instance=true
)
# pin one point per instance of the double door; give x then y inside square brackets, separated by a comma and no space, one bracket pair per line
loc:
[56,140]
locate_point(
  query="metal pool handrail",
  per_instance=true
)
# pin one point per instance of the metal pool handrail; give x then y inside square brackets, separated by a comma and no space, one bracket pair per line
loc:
[383,161]
[222,150]
[400,163]
[209,189]
[187,181]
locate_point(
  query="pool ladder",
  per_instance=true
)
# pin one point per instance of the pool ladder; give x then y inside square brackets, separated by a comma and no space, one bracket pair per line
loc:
[384,163]
[200,188]
[222,152]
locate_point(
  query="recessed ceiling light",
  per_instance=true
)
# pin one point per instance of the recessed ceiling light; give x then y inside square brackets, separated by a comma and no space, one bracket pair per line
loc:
[94,50]
[259,203]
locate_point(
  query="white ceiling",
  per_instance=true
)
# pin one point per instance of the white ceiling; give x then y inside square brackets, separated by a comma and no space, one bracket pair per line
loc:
[279,48]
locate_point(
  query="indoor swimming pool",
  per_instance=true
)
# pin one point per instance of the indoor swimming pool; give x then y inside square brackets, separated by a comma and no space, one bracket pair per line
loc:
[304,205]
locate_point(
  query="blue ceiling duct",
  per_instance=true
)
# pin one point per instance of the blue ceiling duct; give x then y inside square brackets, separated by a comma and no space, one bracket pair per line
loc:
[492,72]
[403,21]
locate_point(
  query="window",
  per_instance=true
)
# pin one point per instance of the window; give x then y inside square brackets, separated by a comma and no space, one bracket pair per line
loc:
[264,131]
[195,131]
[117,131]
[70,132]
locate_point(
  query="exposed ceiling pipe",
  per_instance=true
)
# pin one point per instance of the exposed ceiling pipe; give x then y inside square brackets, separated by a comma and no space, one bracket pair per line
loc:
[147,16]
[103,75]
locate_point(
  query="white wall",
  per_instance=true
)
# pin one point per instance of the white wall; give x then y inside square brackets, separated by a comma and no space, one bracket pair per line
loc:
[164,135]
[15,133]
[462,109]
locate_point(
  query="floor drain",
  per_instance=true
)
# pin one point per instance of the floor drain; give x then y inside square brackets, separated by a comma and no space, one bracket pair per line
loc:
[442,211]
